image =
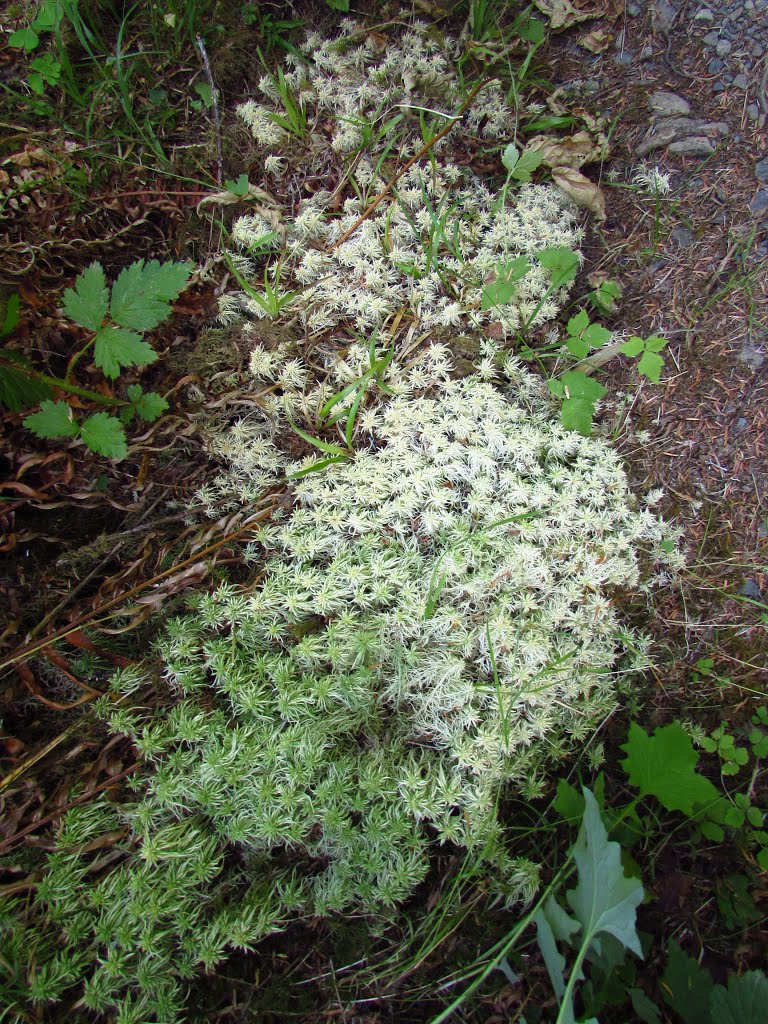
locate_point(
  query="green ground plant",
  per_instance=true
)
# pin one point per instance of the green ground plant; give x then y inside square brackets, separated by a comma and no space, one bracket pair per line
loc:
[139,300]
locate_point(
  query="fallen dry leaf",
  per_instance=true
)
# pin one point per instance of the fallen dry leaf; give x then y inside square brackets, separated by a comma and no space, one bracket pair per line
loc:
[573,151]
[580,189]
[564,13]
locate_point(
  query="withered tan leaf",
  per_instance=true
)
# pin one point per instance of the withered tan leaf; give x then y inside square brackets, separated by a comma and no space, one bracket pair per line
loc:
[580,189]
[573,151]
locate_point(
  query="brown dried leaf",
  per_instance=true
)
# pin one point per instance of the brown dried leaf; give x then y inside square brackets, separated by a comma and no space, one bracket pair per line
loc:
[580,189]
[564,13]
[597,40]
[573,151]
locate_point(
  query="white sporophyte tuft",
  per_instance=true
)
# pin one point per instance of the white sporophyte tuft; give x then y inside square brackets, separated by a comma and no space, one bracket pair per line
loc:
[653,180]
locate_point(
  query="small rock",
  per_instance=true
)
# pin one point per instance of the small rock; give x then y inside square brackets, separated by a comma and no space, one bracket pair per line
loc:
[666,13]
[753,113]
[682,236]
[762,530]
[719,86]
[740,82]
[646,53]
[624,60]
[757,50]
[704,15]
[752,356]
[633,10]
[723,48]
[751,590]
[759,204]
[761,168]
[715,66]
[694,145]
[669,104]
[711,39]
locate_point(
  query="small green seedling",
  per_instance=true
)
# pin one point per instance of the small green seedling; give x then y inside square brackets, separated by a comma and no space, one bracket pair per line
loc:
[650,363]
[605,296]
[722,743]
[584,336]
[501,283]
[580,395]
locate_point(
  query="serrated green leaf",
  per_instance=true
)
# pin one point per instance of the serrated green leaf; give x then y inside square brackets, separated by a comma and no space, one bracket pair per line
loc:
[116,347]
[686,986]
[553,958]
[605,899]
[664,766]
[88,301]
[104,435]
[18,389]
[711,831]
[651,365]
[578,414]
[338,5]
[239,187]
[11,317]
[578,323]
[581,385]
[203,90]
[633,347]
[597,335]
[148,404]
[510,156]
[655,343]
[54,419]
[49,15]
[577,347]
[500,290]
[556,387]
[142,294]
[529,160]
[24,39]
[562,262]
[745,1001]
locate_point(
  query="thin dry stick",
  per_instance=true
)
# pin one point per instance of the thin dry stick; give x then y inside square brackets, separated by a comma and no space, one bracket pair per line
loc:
[215,102]
[408,164]
[25,652]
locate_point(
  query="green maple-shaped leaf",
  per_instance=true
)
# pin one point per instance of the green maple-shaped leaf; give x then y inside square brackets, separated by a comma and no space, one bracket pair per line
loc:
[597,335]
[562,262]
[578,347]
[577,414]
[581,385]
[605,899]
[142,294]
[745,1001]
[104,435]
[53,420]
[500,290]
[664,766]
[88,301]
[527,164]
[116,347]
[651,365]
[633,347]
[578,323]
[148,404]
[686,986]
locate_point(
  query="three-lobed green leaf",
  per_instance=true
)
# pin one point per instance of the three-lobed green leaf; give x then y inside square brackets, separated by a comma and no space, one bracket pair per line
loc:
[104,435]
[54,419]
[561,262]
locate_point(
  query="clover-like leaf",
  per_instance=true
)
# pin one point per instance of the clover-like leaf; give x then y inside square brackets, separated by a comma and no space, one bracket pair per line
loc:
[578,323]
[116,347]
[597,335]
[88,301]
[651,365]
[24,39]
[633,347]
[148,404]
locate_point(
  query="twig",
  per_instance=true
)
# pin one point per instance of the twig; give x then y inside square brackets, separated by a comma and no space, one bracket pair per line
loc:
[215,102]
[408,164]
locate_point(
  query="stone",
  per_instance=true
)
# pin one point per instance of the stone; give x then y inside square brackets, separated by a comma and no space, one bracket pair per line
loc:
[761,169]
[682,236]
[751,590]
[670,129]
[715,66]
[624,60]
[757,50]
[753,112]
[711,39]
[694,145]
[723,48]
[759,204]
[740,82]
[646,53]
[633,10]
[666,12]
[669,104]
[752,356]
[704,15]
[719,86]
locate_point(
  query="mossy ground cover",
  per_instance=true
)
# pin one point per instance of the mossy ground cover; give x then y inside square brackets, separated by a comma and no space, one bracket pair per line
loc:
[132,163]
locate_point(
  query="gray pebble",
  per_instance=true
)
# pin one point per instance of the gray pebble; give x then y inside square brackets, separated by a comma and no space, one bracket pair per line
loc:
[741,423]
[711,38]
[624,60]
[646,53]
[740,82]
[669,104]
[761,168]
[753,111]
[666,13]
[759,204]
[682,236]
[757,50]
[633,10]
[719,87]
[752,356]
[723,48]
[694,145]
[704,15]
[715,66]
[751,590]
